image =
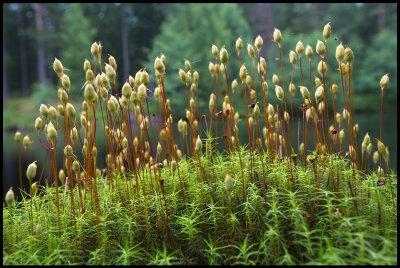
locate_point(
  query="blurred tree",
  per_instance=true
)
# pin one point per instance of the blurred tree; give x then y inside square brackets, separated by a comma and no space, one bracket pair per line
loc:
[53,27]
[76,37]
[31,35]
[5,71]
[126,12]
[40,49]
[187,33]
[371,57]
[261,19]
[126,31]
[375,65]
[22,51]
[11,47]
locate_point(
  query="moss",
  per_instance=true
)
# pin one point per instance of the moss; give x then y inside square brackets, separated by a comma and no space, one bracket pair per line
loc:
[283,223]
[277,207]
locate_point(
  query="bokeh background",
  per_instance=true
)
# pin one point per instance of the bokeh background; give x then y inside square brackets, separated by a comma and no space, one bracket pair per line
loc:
[33,34]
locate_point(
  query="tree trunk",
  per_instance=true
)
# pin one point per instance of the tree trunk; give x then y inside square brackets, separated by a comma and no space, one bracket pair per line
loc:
[5,73]
[125,10]
[269,24]
[41,66]
[22,52]
[261,19]
[381,17]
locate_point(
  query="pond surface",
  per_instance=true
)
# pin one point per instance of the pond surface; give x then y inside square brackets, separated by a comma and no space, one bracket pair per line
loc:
[367,122]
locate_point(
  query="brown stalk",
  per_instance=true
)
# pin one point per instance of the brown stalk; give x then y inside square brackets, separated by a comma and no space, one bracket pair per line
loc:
[19,166]
[325,113]
[381,116]
[301,71]
[55,179]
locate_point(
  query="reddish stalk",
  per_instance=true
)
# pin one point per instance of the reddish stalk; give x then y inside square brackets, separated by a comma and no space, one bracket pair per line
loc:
[381,116]
[55,179]
[19,166]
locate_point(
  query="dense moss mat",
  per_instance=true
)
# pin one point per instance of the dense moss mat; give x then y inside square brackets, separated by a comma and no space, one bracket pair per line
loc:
[321,213]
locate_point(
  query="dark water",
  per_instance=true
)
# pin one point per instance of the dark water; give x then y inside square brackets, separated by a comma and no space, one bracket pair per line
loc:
[367,122]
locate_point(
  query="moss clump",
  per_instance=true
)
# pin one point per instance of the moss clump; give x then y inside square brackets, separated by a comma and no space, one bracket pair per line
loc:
[281,217]
[268,204]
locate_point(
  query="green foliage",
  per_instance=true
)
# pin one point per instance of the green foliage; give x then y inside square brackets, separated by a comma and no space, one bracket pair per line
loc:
[355,24]
[143,22]
[42,93]
[281,218]
[375,65]
[17,112]
[187,33]
[76,37]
